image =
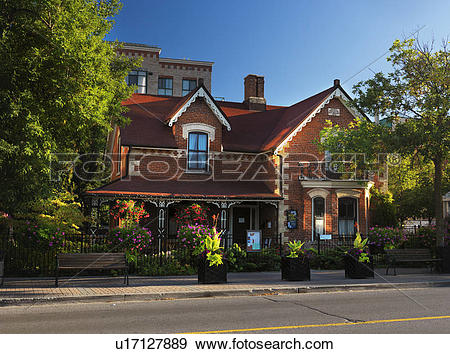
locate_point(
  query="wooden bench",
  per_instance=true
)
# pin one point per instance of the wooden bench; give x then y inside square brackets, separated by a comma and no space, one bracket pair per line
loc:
[409,255]
[83,261]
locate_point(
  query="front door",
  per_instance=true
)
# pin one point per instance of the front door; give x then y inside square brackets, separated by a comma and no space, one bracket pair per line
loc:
[244,218]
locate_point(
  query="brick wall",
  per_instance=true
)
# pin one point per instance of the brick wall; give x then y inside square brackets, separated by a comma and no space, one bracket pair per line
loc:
[303,148]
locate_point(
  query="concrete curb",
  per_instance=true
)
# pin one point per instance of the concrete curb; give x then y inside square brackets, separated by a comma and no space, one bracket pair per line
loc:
[221,293]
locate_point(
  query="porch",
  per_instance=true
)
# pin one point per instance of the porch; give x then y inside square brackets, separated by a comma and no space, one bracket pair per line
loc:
[239,207]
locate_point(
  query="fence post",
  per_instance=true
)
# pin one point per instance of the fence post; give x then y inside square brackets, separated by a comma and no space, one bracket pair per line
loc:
[160,251]
[280,239]
[318,243]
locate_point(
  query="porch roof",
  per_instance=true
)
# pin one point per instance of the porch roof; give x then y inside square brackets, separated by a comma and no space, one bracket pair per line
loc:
[141,187]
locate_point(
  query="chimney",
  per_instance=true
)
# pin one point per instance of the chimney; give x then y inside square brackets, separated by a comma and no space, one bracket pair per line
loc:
[337,82]
[200,82]
[254,92]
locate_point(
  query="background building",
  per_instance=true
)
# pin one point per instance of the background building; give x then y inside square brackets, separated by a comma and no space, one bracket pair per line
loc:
[165,76]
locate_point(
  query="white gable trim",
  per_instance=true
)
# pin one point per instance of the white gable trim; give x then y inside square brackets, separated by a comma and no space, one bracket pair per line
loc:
[336,93]
[201,93]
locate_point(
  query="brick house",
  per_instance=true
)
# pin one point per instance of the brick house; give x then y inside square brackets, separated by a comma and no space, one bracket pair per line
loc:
[255,165]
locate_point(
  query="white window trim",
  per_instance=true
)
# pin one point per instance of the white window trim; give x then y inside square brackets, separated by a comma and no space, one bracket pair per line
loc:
[199,127]
[318,193]
[187,151]
[351,193]
[348,194]
[215,109]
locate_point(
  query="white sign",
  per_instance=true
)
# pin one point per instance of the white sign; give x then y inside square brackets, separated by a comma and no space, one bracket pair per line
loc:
[325,237]
[253,240]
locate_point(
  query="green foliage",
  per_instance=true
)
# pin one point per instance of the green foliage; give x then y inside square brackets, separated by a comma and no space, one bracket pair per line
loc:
[411,183]
[193,215]
[237,258]
[209,247]
[295,248]
[359,249]
[385,237]
[133,240]
[382,208]
[415,98]
[61,87]
[331,259]
[128,212]
[359,243]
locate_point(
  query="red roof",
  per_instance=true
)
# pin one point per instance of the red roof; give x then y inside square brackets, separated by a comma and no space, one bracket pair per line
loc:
[251,131]
[138,186]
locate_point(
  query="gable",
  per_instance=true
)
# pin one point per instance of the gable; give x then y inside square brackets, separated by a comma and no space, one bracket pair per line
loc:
[203,93]
[338,94]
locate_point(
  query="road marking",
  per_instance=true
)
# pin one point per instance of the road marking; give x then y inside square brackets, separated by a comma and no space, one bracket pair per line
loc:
[323,325]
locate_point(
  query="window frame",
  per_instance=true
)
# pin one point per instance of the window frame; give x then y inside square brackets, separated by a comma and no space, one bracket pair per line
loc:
[137,74]
[197,151]
[313,213]
[190,81]
[163,90]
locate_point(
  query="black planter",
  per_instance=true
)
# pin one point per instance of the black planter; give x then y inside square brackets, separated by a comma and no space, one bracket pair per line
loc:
[444,254]
[295,269]
[358,270]
[211,274]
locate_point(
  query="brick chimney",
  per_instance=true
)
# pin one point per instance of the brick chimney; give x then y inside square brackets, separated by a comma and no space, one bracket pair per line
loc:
[254,92]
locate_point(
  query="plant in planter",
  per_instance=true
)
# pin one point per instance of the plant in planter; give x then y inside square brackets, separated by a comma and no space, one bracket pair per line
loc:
[358,262]
[295,266]
[211,266]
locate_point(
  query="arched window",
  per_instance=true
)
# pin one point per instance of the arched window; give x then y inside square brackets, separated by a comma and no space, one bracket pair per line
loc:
[318,216]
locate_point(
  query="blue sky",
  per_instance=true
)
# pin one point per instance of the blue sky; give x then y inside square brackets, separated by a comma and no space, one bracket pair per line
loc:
[299,46]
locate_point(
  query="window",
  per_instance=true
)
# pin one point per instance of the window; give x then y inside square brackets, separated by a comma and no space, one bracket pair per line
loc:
[198,152]
[188,86]
[318,216]
[165,86]
[138,78]
[347,219]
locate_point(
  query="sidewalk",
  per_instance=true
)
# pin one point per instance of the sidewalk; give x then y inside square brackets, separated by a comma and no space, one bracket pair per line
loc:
[16,291]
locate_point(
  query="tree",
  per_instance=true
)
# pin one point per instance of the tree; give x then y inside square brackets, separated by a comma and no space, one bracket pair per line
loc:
[415,98]
[61,88]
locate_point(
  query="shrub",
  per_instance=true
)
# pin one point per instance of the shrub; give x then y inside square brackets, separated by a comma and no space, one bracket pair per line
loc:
[267,260]
[385,237]
[190,236]
[194,214]
[382,208]
[128,212]
[133,240]
[332,259]
[426,237]
[237,258]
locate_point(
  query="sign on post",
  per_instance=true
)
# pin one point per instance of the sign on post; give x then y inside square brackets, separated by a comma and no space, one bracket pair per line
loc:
[325,237]
[253,240]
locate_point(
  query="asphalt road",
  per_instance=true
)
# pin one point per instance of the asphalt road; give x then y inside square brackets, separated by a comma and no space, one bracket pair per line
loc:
[413,311]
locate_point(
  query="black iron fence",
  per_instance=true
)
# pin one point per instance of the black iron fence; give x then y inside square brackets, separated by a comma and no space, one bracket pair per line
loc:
[28,256]
[333,242]
[31,256]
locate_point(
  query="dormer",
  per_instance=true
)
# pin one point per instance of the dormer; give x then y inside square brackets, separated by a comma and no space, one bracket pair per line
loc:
[197,124]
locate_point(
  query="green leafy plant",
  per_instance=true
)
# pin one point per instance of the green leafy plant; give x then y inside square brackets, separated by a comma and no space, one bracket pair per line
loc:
[210,248]
[128,212]
[295,248]
[193,215]
[359,250]
[237,258]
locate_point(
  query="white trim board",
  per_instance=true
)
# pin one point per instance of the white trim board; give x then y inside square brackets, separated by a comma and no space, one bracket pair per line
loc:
[336,93]
[201,93]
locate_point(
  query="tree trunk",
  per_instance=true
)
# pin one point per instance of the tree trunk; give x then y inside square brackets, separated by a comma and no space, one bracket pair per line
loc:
[438,201]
